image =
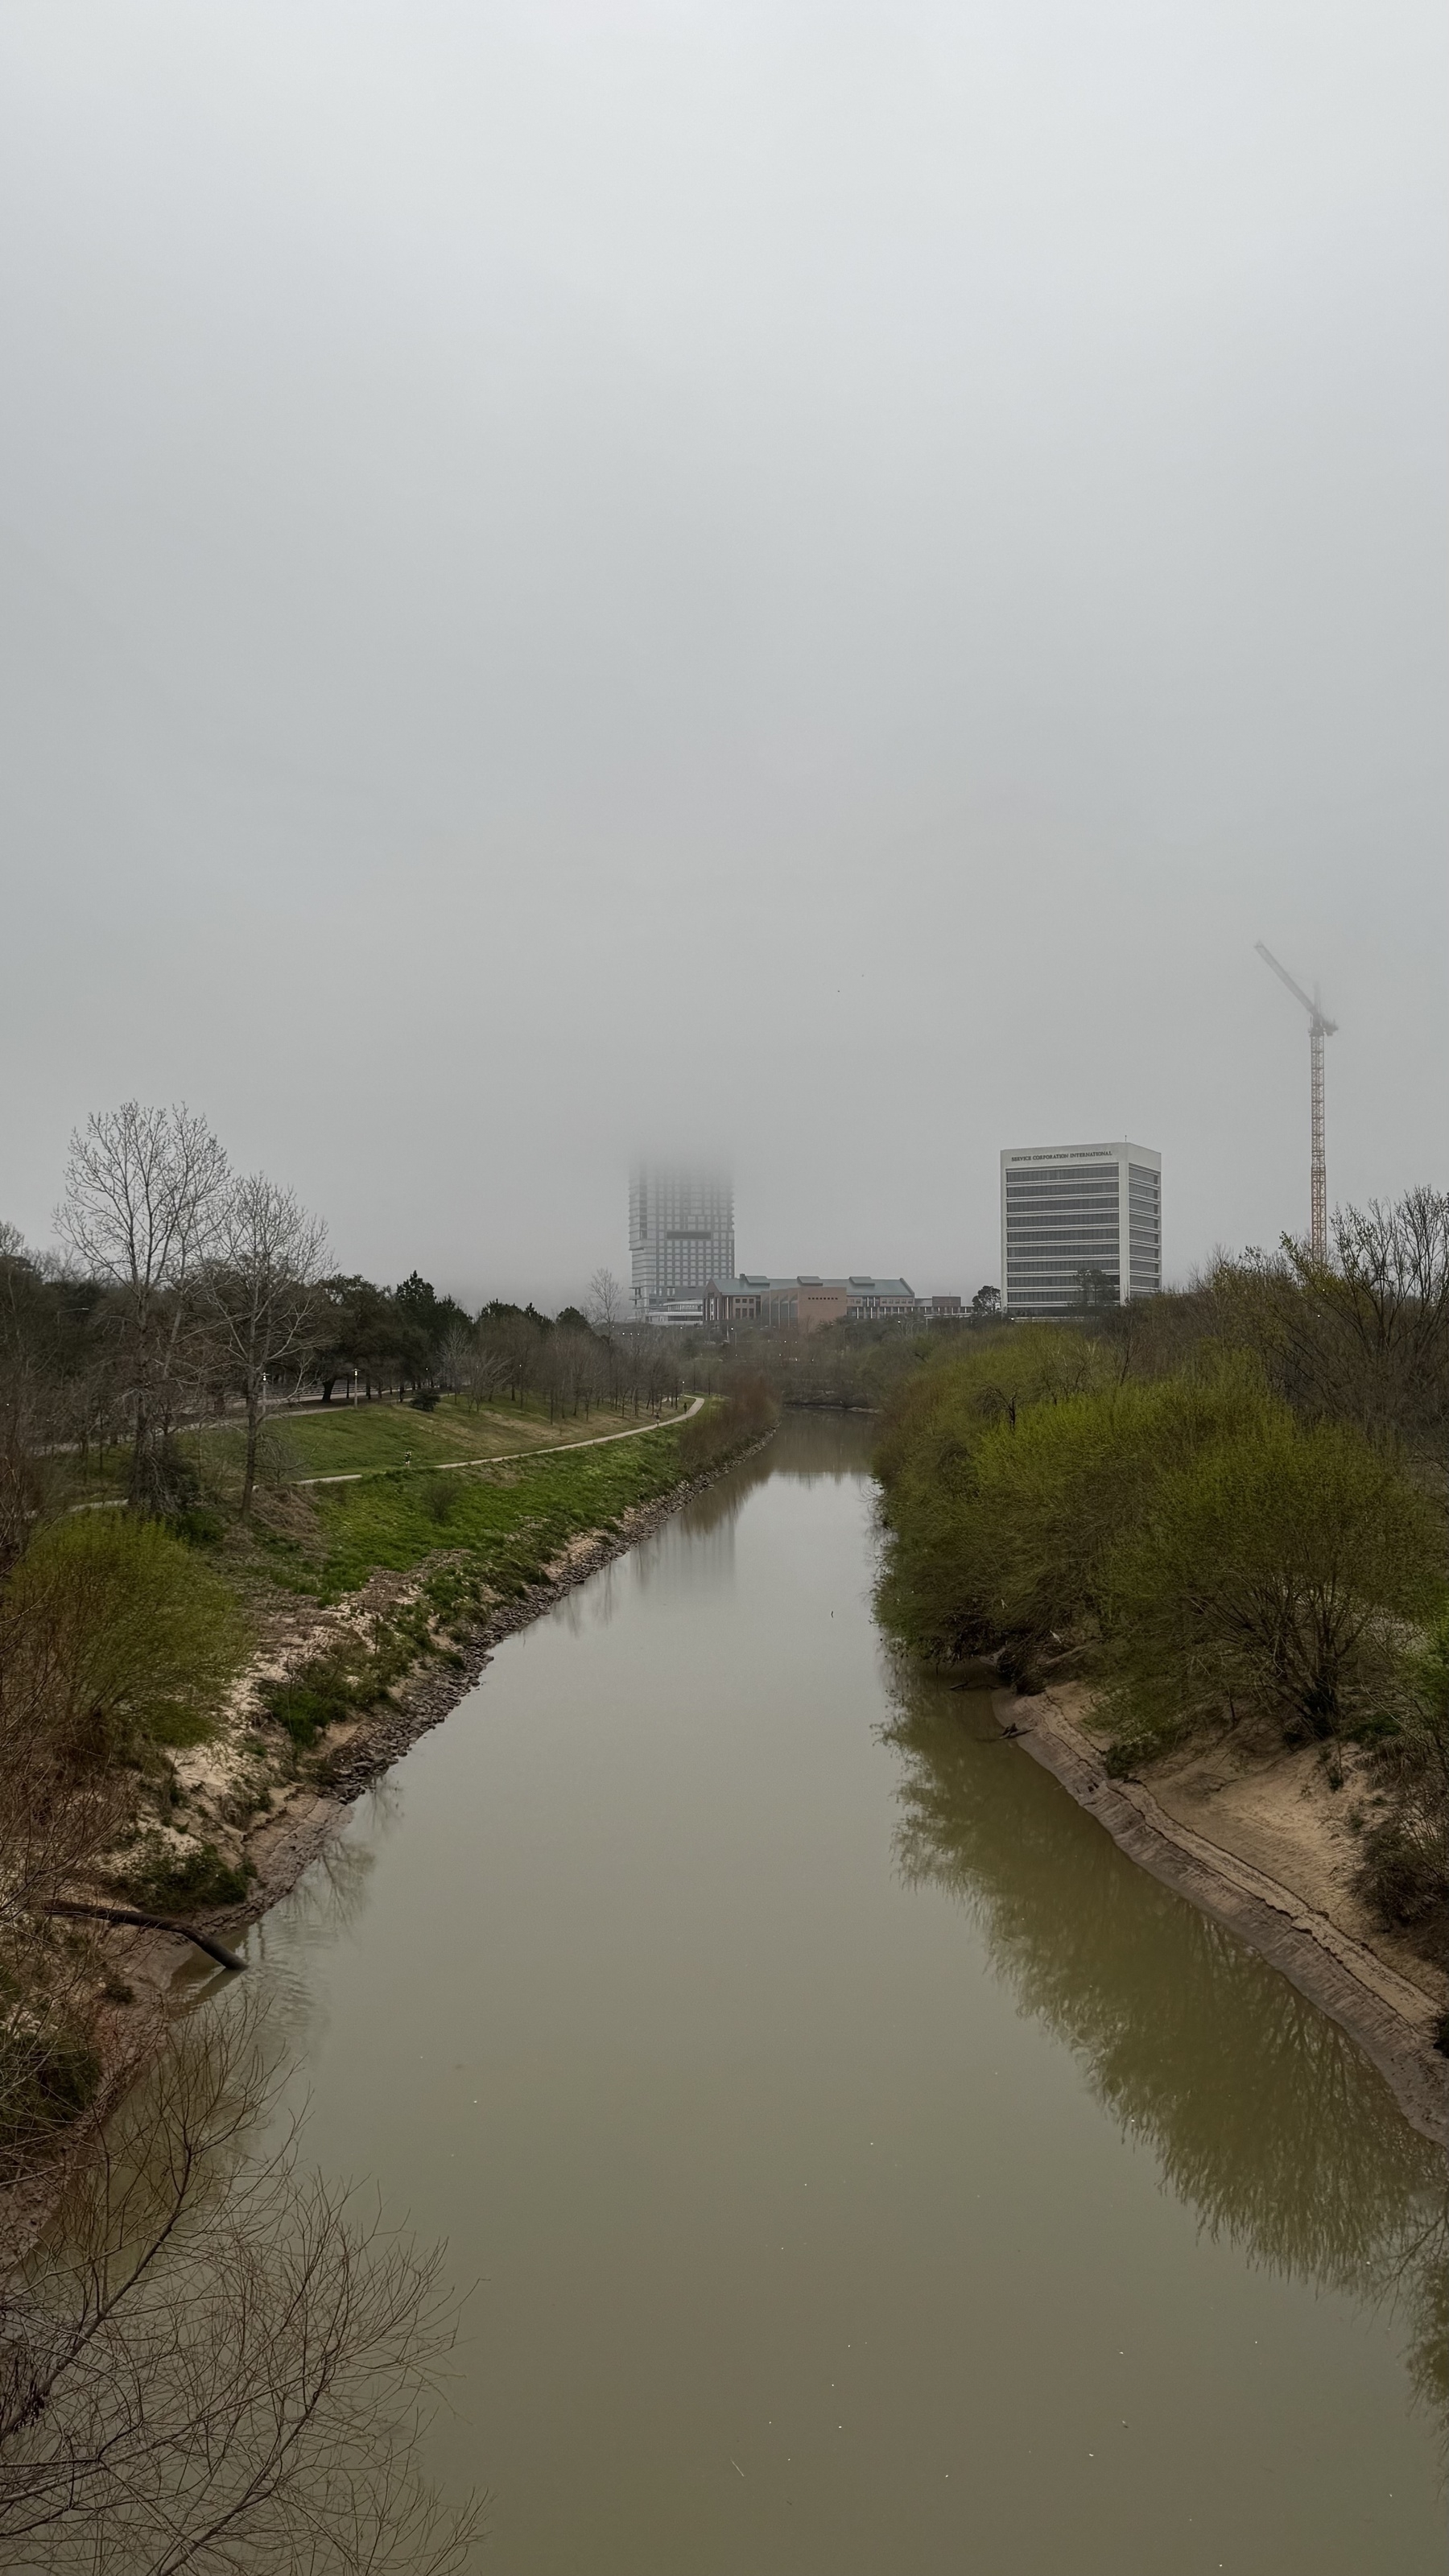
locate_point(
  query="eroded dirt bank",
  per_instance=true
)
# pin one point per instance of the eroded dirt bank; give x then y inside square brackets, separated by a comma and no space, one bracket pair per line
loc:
[1253,1848]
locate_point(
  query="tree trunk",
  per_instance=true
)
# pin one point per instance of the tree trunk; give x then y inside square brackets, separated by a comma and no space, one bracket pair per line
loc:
[141,1482]
[253,1427]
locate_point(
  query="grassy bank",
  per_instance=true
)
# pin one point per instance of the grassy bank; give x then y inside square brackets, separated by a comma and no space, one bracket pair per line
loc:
[330,1538]
[344,1439]
[167,1689]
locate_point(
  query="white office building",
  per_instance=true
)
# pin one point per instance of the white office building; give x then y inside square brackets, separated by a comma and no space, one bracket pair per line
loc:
[1079,1224]
[681,1232]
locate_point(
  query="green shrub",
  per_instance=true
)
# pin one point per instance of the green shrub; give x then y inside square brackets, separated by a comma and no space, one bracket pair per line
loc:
[1401,1873]
[1010,1476]
[305,1708]
[1404,1864]
[110,1627]
[747,1412]
[1377,1727]
[178,1728]
[939,1587]
[1213,1554]
[1274,1572]
[336,1685]
[172,1882]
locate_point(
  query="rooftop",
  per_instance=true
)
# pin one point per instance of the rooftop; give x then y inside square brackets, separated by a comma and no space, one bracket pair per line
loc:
[860,1283]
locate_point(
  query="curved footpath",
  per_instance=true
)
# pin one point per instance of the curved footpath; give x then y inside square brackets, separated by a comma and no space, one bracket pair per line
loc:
[1392,2019]
[506,1457]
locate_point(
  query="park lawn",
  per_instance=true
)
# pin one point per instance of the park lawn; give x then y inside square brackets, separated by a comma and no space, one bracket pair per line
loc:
[505,1524]
[350,1439]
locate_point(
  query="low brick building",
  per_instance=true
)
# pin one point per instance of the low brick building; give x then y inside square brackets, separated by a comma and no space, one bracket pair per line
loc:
[808,1301]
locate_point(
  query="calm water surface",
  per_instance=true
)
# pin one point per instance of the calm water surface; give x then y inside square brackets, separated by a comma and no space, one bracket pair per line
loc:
[863,2167]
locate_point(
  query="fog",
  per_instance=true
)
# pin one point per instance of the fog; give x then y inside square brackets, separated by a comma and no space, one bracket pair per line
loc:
[796,581]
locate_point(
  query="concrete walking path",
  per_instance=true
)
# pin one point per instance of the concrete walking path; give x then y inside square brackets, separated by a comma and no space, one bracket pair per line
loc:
[501,1457]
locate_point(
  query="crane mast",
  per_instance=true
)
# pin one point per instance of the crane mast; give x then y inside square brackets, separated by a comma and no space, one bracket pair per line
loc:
[1319,1028]
[1318,1176]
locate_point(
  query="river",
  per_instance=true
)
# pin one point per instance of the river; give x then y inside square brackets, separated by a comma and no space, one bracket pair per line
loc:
[862,2165]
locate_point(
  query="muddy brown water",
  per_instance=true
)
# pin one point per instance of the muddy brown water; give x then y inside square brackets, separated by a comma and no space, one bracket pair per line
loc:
[862,2166]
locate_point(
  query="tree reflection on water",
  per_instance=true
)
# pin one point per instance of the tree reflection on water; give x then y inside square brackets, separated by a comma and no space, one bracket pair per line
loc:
[1265,2116]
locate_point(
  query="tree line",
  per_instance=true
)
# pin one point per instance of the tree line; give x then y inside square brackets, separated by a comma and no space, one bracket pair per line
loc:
[185,1289]
[1224,1507]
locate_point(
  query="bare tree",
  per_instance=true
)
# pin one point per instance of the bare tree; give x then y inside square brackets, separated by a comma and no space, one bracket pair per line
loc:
[144,1197]
[213,2363]
[259,1293]
[1363,1334]
[1389,1289]
[605,1302]
[510,1345]
[471,1365]
[453,1359]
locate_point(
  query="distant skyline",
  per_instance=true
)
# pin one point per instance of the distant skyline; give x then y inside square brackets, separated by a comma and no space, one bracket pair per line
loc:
[799,586]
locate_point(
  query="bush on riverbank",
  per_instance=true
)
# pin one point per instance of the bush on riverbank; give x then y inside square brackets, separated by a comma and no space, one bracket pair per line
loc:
[1224,1509]
[166,1881]
[747,1412]
[113,1633]
[1277,1570]
[1211,1556]
[117,1644]
[1404,1871]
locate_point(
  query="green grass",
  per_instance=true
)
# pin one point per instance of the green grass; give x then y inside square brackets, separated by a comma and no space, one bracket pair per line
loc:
[509,1521]
[180,1728]
[168,1882]
[350,1439]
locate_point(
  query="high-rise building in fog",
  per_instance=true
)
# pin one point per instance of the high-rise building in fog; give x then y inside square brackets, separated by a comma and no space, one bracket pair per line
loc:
[681,1231]
[1079,1223]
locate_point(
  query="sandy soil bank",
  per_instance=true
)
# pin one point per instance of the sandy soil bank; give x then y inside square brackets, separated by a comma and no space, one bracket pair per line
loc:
[1265,1845]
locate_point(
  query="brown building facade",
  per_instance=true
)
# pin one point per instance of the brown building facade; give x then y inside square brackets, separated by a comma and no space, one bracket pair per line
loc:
[808,1301]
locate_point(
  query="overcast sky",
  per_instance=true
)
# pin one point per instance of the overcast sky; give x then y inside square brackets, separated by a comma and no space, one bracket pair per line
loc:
[802,580]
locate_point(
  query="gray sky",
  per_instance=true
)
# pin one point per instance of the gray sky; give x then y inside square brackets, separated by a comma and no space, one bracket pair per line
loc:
[802,578]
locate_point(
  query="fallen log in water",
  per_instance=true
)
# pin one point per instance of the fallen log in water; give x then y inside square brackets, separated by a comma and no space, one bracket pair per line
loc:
[148,1923]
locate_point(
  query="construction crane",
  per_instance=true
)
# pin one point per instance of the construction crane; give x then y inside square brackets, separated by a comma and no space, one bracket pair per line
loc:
[1319,1028]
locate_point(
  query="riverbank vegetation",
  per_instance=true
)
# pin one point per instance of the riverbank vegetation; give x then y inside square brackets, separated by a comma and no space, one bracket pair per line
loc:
[176,1519]
[1171,2018]
[1225,1510]
[207,1583]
